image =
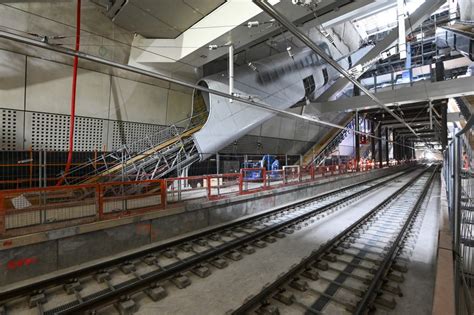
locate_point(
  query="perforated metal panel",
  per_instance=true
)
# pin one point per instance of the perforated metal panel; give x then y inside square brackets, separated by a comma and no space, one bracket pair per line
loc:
[89,134]
[51,132]
[9,124]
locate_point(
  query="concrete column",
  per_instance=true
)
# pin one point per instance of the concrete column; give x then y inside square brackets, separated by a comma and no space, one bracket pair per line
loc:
[386,145]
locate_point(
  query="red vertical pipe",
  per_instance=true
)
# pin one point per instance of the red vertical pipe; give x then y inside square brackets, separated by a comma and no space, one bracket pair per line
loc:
[73,93]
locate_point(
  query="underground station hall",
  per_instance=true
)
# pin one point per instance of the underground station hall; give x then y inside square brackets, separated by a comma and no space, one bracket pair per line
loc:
[218,157]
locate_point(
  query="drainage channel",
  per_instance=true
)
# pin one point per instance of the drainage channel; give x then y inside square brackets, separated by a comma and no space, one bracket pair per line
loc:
[117,280]
[354,271]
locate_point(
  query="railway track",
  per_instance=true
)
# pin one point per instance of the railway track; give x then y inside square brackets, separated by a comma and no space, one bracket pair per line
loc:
[355,271]
[116,282]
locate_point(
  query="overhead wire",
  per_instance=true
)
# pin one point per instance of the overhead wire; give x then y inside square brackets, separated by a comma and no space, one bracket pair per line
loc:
[178,61]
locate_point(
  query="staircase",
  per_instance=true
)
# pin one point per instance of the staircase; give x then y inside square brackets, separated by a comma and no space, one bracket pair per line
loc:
[154,156]
[318,153]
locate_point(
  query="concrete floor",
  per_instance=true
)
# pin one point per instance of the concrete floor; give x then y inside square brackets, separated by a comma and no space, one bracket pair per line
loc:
[227,288]
[418,287]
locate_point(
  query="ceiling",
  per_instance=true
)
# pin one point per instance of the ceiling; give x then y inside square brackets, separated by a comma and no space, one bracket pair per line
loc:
[160,19]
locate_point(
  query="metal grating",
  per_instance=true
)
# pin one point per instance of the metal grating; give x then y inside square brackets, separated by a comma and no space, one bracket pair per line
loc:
[8,121]
[50,132]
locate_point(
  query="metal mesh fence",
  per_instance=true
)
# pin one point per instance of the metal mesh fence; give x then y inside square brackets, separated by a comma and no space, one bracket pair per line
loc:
[459,179]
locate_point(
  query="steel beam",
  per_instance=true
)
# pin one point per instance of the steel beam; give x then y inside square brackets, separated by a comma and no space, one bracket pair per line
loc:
[424,91]
[269,9]
[415,19]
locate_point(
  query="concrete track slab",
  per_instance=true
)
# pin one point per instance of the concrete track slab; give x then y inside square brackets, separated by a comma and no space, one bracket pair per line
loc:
[227,288]
[418,287]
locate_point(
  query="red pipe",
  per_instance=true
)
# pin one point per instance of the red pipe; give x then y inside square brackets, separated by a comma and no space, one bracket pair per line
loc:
[73,94]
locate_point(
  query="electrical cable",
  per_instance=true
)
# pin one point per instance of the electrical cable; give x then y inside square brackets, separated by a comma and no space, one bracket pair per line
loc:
[73,94]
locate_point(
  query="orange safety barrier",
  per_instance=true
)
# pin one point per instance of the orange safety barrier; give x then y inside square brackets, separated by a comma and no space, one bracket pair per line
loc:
[223,185]
[23,208]
[49,207]
[192,187]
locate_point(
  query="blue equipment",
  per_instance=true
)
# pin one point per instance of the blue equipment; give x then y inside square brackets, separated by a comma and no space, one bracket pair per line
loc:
[254,174]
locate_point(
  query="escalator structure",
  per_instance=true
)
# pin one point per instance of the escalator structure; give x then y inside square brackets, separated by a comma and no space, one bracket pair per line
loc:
[321,150]
[154,156]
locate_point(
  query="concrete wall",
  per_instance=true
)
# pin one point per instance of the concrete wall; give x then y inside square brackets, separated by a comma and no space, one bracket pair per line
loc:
[68,247]
[33,85]
[39,81]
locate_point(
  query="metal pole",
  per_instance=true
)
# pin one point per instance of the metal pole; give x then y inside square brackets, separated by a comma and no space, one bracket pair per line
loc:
[375,82]
[45,173]
[40,168]
[457,218]
[422,40]
[269,9]
[231,70]
[357,140]
[431,114]
[380,146]
[386,146]
[372,140]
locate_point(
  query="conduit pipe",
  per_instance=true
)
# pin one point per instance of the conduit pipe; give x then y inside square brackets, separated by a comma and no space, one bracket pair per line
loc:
[85,56]
[270,10]
[73,93]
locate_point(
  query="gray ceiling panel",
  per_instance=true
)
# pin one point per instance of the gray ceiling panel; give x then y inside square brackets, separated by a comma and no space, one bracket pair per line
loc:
[139,21]
[164,18]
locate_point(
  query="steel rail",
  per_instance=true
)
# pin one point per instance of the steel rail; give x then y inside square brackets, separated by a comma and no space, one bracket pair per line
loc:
[252,302]
[387,262]
[270,10]
[62,278]
[108,296]
[86,56]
